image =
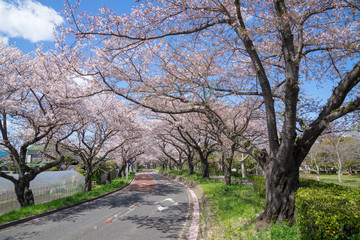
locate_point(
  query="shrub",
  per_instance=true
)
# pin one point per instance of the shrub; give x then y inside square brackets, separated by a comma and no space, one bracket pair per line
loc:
[54,169]
[108,166]
[258,184]
[79,170]
[97,177]
[214,169]
[327,211]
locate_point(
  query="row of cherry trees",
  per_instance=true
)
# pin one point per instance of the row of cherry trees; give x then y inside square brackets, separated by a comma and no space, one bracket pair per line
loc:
[48,103]
[176,57]
[244,66]
[39,105]
[33,109]
[193,137]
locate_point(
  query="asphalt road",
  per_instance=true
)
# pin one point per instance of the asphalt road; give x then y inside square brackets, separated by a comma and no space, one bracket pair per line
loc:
[153,207]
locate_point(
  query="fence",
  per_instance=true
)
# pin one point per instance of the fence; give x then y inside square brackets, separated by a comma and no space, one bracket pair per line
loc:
[8,200]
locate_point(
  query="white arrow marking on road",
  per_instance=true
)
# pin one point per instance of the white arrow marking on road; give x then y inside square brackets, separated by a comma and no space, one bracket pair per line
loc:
[160,208]
[170,200]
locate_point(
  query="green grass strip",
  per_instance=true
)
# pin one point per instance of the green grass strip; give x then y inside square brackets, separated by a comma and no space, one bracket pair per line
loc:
[233,210]
[352,181]
[62,202]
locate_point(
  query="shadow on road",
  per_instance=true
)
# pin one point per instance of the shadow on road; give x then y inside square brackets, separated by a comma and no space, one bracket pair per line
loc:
[116,200]
[171,224]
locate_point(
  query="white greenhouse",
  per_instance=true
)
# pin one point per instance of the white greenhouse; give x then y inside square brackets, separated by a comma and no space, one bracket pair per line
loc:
[46,187]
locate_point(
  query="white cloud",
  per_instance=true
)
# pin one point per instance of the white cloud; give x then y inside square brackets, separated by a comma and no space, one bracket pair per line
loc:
[4,40]
[28,19]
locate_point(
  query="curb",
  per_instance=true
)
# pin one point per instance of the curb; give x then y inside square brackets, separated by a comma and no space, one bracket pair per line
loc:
[30,218]
[191,226]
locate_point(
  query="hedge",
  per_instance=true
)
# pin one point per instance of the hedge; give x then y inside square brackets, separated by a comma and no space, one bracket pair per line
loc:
[327,211]
[323,210]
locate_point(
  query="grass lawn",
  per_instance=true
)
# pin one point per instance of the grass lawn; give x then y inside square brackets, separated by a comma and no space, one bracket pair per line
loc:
[58,203]
[352,181]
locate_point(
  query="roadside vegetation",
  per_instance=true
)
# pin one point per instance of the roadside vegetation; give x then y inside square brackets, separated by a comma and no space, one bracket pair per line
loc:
[332,214]
[233,210]
[62,202]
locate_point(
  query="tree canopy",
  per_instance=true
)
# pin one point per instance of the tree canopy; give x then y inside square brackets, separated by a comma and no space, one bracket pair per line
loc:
[179,57]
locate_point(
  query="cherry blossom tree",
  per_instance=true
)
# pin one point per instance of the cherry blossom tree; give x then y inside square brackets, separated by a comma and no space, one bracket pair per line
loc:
[128,152]
[142,148]
[173,56]
[34,110]
[137,145]
[172,152]
[232,127]
[105,125]
[170,136]
[193,133]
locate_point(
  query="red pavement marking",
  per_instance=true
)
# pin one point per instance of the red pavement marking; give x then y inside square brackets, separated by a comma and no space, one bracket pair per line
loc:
[141,183]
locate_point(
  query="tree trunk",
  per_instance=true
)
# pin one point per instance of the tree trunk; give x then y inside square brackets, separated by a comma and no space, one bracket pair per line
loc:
[190,165]
[282,181]
[339,174]
[24,194]
[228,164]
[121,171]
[179,166]
[222,163]
[166,167]
[124,170]
[190,169]
[88,183]
[318,173]
[205,172]
[243,169]
[227,172]
[107,177]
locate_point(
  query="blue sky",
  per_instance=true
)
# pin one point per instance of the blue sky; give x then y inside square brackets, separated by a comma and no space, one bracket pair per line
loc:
[26,23]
